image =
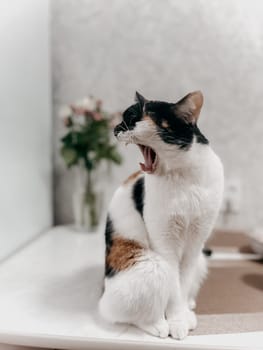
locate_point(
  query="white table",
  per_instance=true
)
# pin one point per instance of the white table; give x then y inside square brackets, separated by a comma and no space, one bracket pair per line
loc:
[48,298]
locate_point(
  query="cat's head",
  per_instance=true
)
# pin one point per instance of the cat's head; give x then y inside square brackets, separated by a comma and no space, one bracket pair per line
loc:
[161,129]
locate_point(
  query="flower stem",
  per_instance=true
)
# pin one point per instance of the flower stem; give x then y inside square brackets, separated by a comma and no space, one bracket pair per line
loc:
[91,201]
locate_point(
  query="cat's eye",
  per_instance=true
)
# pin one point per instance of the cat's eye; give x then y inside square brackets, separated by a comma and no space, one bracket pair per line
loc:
[150,113]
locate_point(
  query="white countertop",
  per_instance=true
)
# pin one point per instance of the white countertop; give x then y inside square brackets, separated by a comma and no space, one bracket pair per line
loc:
[49,293]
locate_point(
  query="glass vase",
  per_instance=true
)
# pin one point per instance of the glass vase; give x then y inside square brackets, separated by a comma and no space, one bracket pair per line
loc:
[86,200]
[91,203]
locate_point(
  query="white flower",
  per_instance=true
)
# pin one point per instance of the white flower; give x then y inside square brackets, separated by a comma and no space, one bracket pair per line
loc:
[88,103]
[92,154]
[64,112]
[80,119]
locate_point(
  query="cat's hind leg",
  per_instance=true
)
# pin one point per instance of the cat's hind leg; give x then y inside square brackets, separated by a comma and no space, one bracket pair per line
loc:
[139,295]
[136,289]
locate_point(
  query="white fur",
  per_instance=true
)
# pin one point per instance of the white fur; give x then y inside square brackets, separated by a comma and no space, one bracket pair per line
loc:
[183,198]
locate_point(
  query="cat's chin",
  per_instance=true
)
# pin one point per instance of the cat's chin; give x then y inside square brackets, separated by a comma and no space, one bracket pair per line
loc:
[150,159]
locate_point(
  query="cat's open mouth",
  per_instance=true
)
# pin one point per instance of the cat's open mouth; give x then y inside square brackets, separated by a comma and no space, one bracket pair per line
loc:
[150,159]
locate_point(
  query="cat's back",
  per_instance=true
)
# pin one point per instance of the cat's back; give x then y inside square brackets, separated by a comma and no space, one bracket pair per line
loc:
[213,180]
[127,206]
[130,193]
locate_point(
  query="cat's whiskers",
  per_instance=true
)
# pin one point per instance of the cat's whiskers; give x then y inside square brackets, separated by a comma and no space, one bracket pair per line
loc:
[132,138]
[126,125]
[122,127]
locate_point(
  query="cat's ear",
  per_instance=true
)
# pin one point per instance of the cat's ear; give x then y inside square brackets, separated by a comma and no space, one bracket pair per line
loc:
[140,99]
[189,107]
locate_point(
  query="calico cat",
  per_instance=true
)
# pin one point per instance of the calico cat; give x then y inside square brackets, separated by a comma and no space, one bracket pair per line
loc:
[160,218]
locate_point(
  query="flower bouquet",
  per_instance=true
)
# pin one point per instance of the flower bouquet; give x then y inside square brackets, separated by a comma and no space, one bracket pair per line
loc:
[86,143]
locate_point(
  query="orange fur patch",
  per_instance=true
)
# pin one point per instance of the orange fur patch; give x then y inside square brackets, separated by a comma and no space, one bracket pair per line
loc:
[147,118]
[133,177]
[123,253]
[165,124]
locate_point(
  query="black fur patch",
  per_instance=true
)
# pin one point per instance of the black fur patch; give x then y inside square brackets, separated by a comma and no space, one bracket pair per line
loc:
[171,126]
[131,116]
[109,272]
[207,251]
[138,195]
[108,233]
[200,138]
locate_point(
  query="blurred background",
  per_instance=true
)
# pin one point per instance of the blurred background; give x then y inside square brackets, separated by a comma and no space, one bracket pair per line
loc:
[56,55]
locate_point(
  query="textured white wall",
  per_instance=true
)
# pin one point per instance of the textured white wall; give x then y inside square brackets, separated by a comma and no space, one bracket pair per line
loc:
[25,122]
[166,49]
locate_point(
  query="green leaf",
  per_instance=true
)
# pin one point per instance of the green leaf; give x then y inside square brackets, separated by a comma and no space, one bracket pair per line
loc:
[90,143]
[69,155]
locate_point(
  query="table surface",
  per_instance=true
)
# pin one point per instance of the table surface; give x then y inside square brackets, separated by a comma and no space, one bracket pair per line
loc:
[48,298]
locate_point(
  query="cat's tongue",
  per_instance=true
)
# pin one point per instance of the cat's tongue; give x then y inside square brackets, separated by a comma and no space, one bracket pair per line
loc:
[149,158]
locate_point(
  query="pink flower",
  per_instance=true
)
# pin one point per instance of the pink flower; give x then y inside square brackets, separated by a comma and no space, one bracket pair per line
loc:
[96,116]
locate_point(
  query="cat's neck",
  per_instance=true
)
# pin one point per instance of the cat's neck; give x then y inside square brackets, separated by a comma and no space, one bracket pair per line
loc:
[184,163]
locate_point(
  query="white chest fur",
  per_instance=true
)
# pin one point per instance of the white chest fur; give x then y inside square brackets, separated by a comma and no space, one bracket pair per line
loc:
[184,196]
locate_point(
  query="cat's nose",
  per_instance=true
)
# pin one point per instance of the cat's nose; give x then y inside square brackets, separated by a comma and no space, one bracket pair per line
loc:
[117,130]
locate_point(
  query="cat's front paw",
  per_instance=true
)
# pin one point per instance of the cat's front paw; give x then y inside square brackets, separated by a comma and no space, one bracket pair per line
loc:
[180,325]
[158,329]
[178,328]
